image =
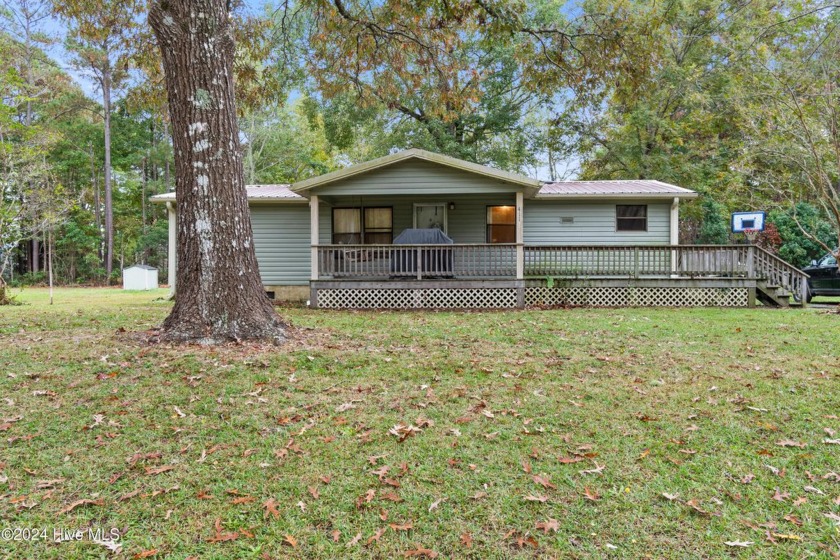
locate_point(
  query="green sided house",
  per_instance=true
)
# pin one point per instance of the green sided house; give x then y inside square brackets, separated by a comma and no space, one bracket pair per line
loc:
[421,230]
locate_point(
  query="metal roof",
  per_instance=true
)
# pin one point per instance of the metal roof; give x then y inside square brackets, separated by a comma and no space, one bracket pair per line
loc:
[255,192]
[632,188]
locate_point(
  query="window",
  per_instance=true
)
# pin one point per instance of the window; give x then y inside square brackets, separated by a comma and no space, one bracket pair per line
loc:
[631,217]
[501,224]
[353,226]
[378,226]
[347,226]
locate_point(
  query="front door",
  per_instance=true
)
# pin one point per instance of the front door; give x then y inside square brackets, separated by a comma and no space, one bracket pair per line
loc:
[430,216]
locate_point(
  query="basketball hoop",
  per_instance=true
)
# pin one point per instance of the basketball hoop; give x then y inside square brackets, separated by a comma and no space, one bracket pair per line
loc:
[751,235]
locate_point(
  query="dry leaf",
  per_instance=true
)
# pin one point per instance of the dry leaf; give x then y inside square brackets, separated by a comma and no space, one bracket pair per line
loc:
[243,500]
[290,540]
[270,506]
[435,504]
[590,494]
[79,503]
[467,540]
[550,525]
[354,541]
[145,554]
[791,443]
[544,482]
[420,551]
[221,536]
[739,543]
[404,527]
[541,499]
[158,470]
[376,536]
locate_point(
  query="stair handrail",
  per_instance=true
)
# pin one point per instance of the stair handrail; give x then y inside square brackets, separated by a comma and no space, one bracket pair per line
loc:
[788,276]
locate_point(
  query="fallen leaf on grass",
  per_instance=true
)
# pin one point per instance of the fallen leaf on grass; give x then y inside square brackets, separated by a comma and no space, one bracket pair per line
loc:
[590,494]
[376,536]
[544,482]
[80,503]
[814,490]
[420,551]
[128,496]
[403,527]
[669,497]
[158,470]
[831,441]
[780,496]
[599,469]
[739,543]
[541,499]
[695,507]
[243,500]
[834,517]
[220,535]
[467,540]
[402,431]
[270,506]
[145,554]
[791,443]
[793,519]
[436,504]
[786,536]
[567,460]
[550,525]
[354,541]
[290,540]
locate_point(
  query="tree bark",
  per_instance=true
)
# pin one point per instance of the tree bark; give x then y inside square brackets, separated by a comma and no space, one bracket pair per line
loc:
[220,296]
[109,208]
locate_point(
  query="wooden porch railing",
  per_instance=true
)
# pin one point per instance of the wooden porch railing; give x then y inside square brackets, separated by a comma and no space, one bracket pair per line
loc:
[417,261]
[570,261]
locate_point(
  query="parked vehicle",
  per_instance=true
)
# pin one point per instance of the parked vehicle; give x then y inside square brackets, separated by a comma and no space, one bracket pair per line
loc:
[824,277]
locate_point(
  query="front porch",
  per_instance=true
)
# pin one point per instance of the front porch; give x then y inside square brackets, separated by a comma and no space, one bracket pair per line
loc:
[457,276]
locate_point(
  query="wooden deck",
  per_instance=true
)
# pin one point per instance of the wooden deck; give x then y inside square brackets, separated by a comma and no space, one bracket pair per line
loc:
[484,268]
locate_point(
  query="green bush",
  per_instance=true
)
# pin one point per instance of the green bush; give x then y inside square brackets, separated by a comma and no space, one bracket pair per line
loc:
[796,248]
[714,229]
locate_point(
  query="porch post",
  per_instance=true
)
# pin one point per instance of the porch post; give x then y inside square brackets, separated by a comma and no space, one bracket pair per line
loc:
[520,248]
[674,232]
[173,240]
[520,253]
[314,228]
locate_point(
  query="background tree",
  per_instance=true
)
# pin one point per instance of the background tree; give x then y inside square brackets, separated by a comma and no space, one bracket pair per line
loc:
[100,35]
[795,119]
[454,78]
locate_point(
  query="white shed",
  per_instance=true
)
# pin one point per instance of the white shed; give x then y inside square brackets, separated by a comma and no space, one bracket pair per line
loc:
[140,277]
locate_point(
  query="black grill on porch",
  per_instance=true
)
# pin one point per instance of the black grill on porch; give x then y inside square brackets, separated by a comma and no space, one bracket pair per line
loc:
[434,259]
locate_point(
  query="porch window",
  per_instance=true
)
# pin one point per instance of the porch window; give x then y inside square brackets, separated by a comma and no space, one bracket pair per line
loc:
[501,224]
[631,217]
[354,226]
[347,226]
[379,225]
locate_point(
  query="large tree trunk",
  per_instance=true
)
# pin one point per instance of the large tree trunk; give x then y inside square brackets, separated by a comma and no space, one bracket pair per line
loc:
[109,207]
[220,296]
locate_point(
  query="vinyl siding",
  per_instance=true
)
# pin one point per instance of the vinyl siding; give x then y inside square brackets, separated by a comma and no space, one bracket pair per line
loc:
[594,223]
[281,241]
[415,177]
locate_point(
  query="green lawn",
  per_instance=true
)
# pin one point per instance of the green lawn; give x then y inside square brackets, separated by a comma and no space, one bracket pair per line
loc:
[582,433]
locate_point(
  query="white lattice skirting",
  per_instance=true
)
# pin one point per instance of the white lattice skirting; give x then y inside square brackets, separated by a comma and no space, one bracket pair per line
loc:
[421,298]
[637,297]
